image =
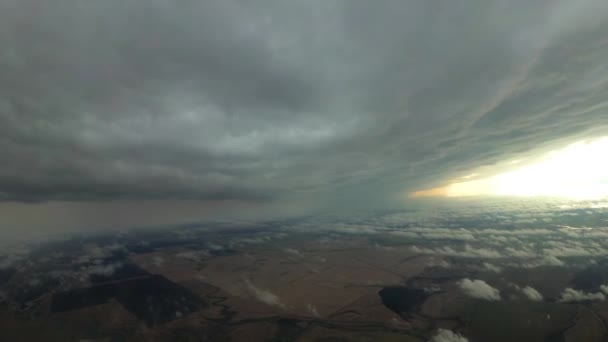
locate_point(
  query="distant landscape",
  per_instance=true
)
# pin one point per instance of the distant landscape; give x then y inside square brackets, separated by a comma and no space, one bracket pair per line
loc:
[464,272]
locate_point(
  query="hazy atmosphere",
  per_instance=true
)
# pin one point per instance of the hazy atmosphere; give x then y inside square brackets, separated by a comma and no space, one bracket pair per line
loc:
[364,123]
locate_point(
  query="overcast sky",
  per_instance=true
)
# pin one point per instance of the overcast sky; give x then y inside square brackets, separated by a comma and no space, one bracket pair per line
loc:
[238,104]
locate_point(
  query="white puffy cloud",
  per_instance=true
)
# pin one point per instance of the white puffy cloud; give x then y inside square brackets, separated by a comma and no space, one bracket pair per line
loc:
[479,289]
[572,295]
[532,294]
[437,233]
[491,267]
[405,234]
[547,260]
[444,335]
[356,229]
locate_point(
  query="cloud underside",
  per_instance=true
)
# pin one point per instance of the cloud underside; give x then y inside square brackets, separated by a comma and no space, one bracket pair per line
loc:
[230,100]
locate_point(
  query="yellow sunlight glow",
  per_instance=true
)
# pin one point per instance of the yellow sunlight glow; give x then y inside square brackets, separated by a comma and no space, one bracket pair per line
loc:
[579,171]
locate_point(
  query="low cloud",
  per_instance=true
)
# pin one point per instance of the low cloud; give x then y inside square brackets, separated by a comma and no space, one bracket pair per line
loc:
[192,255]
[293,252]
[491,267]
[479,289]
[256,240]
[158,261]
[532,294]
[104,270]
[467,252]
[444,335]
[264,296]
[570,295]
[7,262]
[95,253]
[313,310]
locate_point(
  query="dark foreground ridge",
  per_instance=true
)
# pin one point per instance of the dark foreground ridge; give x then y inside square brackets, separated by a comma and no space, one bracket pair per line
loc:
[153,299]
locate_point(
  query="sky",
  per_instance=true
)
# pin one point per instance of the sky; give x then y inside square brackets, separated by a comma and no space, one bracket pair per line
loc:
[126,112]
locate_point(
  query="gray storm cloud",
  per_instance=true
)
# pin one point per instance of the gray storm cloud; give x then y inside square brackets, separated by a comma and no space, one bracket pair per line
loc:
[257,101]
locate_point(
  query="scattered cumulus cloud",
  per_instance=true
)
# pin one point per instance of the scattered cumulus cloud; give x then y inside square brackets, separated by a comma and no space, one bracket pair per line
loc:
[491,267]
[571,295]
[532,294]
[479,289]
[293,252]
[95,253]
[444,335]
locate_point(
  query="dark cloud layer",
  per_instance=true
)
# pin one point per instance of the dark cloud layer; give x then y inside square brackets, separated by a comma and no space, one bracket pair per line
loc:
[262,100]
